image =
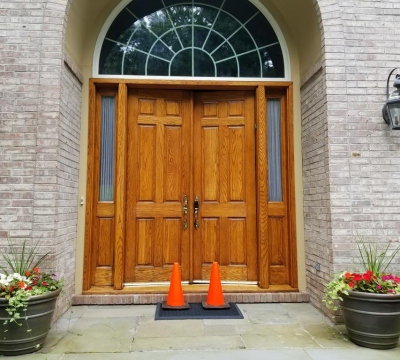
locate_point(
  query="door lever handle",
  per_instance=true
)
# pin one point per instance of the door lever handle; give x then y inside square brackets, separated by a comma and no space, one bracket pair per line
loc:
[196,212]
[185,210]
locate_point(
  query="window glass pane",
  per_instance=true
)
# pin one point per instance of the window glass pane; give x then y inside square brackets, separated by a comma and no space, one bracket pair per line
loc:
[261,31]
[181,15]
[226,25]
[274,150]
[161,50]
[121,28]
[185,36]
[143,39]
[228,68]
[205,16]
[242,10]
[242,42]
[111,58]
[224,52]
[157,67]
[204,33]
[213,41]
[107,139]
[171,39]
[143,8]
[200,36]
[203,64]
[134,63]
[158,22]
[272,62]
[182,64]
[248,65]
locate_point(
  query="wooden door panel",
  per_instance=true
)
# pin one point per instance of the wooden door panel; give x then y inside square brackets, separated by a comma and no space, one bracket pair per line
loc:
[104,232]
[146,169]
[158,178]
[224,180]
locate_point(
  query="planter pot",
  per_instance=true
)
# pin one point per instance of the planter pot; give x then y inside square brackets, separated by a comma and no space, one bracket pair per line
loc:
[372,320]
[17,340]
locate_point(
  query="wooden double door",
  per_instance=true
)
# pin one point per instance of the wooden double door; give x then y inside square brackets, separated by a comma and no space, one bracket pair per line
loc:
[190,185]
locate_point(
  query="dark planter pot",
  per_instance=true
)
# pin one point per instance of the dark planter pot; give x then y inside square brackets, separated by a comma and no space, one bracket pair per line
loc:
[372,320]
[16,340]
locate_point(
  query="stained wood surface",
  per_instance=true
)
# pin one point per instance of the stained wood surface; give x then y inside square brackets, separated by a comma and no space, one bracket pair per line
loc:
[224,181]
[171,143]
[158,176]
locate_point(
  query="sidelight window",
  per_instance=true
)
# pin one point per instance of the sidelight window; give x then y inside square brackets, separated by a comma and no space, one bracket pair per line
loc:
[107,151]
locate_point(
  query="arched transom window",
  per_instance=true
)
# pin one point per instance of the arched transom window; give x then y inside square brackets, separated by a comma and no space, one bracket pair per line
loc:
[206,38]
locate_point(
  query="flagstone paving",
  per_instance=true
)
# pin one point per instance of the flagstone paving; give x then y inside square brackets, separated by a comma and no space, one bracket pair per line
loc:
[268,331]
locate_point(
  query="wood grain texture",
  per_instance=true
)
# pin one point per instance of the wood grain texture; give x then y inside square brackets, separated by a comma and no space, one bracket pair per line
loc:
[293,280]
[188,289]
[159,128]
[87,263]
[120,187]
[99,235]
[169,146]
[281,244]
[224,180]
[192,84]
[262,189]
[103,276]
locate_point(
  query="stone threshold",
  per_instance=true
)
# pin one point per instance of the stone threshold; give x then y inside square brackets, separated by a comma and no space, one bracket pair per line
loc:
[147,299]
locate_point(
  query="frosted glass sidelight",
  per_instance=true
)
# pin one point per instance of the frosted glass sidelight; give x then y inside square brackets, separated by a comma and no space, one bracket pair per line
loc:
[274,150]
[206,38]
[107,149]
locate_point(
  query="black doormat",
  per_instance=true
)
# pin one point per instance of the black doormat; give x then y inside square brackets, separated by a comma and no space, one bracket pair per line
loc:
[196,311]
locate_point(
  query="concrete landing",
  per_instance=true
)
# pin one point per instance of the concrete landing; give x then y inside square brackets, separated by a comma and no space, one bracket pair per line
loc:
[268,331]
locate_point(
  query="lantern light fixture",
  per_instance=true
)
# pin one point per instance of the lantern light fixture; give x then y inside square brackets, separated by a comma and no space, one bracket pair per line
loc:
[391,110]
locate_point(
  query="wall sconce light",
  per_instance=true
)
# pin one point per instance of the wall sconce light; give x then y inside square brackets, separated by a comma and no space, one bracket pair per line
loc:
[391,110]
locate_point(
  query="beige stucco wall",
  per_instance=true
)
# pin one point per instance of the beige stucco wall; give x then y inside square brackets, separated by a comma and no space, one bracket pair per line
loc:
[300,28]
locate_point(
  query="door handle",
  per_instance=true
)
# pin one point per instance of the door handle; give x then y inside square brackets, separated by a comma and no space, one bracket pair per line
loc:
[196,212]
[185,210]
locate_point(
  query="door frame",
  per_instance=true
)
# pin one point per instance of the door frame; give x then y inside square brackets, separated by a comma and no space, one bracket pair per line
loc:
[110,276]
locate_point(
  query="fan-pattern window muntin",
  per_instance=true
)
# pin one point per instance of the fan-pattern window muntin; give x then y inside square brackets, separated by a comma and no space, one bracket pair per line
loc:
[209,38]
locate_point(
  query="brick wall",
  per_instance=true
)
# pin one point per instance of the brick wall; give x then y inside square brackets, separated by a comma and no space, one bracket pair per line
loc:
[369,161]
[67,181]
[350,156]
[19,103]
[317,222]
[39,134]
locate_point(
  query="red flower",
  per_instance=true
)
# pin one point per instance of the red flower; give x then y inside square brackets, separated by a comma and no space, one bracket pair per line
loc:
[357,277]
[11,288]
[36,270]
[44,283]
[347,275]
[28,288]
[351,284]
[28,273]
[367,277]
[21,284]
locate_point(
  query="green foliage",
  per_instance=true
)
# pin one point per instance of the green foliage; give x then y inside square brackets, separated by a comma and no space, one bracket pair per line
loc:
[22,261]
[374,279]
[23,279]
[374,261]
[17,289]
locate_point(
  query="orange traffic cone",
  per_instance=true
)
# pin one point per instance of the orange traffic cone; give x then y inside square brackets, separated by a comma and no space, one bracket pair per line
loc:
[175,298]
[215,298]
